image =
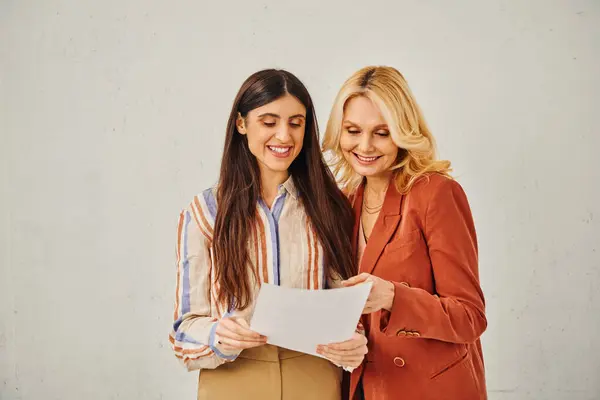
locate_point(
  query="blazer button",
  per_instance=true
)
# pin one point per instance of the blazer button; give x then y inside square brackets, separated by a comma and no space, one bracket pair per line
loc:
[401,333]
[399,361]
[405,284]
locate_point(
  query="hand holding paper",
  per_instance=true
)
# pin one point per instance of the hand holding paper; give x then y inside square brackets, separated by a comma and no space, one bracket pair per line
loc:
[235,334]
[348,354]
[382,293]
[301,320]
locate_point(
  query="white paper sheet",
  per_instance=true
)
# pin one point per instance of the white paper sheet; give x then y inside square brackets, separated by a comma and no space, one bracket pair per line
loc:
[299,319]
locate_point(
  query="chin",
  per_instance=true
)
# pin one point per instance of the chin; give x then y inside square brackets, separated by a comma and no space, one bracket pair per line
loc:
[278,166]
[365,171]
[368,174]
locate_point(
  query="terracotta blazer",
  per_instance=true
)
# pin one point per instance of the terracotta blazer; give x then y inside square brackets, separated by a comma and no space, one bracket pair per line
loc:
[428,346]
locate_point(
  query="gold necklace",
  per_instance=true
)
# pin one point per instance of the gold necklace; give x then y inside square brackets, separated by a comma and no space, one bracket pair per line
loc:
[375,209]
[371,210]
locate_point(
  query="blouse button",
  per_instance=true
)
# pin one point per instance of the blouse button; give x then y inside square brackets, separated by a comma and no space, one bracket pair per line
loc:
[399,361]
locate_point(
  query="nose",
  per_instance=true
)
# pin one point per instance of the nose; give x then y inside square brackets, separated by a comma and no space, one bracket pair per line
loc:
[283,134]
[365,145]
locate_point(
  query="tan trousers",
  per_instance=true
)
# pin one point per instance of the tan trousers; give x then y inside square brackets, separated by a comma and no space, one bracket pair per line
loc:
[272,373]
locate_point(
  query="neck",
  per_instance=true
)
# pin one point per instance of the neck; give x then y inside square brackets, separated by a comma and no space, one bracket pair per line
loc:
[269,183]
[377,185]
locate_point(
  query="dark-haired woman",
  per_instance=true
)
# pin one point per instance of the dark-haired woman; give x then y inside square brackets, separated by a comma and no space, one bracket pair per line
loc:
[276,216]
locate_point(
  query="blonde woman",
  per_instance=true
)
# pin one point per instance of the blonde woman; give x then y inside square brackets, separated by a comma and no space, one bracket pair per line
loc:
[414,238]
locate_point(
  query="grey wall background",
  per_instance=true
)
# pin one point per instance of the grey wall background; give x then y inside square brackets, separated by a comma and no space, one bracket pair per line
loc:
[112,117]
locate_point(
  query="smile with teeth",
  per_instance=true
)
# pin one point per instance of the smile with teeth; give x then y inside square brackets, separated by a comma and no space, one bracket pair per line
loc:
[280,151]
[366,159]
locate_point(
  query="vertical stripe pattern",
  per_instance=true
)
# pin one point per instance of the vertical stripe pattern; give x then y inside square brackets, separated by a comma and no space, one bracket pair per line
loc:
[309,246]
[185,298]
[262,245]
[280,240]
[315,270]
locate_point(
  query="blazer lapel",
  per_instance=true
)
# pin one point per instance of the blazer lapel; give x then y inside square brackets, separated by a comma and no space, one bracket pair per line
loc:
[384,228]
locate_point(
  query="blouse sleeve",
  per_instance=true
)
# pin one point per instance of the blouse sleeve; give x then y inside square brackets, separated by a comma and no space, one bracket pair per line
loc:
[193,333]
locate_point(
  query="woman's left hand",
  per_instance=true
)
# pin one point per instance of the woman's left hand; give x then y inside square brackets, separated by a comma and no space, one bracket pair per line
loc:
[350,353]
[382,292]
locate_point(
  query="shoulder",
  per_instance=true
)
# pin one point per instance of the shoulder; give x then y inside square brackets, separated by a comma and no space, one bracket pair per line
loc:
[434,189]
[203,209]
[433,184]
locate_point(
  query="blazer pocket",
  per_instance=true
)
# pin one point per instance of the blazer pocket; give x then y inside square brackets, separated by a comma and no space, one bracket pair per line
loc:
[455,363]
[404,241]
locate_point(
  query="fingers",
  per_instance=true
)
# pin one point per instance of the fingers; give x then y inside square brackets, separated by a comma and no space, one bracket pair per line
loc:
[347,360]
[370,308]
[227,347]
[229,344]
[354,363]
[355,280]
[354,353]
[234,334]
[243,323]
[349,353]
[235,329]
[328,351]
[356,342]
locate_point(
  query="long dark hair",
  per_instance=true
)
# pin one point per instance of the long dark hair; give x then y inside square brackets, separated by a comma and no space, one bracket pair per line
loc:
[239,190]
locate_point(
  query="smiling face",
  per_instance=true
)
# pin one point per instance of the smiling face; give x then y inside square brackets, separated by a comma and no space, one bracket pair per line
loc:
[275,133]
[365,140]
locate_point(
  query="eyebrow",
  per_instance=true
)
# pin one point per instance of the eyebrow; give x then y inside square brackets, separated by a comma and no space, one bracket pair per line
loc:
[278,116]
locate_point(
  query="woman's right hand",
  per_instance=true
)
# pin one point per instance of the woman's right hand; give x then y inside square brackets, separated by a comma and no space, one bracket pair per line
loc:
[234,334]
[350,353]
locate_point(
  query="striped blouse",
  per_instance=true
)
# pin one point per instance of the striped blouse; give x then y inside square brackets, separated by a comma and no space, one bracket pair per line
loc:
[283,250]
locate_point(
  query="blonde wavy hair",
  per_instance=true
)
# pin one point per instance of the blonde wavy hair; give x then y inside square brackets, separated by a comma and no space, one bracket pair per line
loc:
[389,91]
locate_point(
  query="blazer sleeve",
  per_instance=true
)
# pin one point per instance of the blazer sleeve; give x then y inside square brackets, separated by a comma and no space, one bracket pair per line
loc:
[193,331]
[456,312]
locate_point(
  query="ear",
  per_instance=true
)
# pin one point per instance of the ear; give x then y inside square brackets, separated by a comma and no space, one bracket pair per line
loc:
[240,124]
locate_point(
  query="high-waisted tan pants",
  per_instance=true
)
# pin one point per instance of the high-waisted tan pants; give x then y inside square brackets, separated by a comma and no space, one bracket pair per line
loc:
[271,373]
